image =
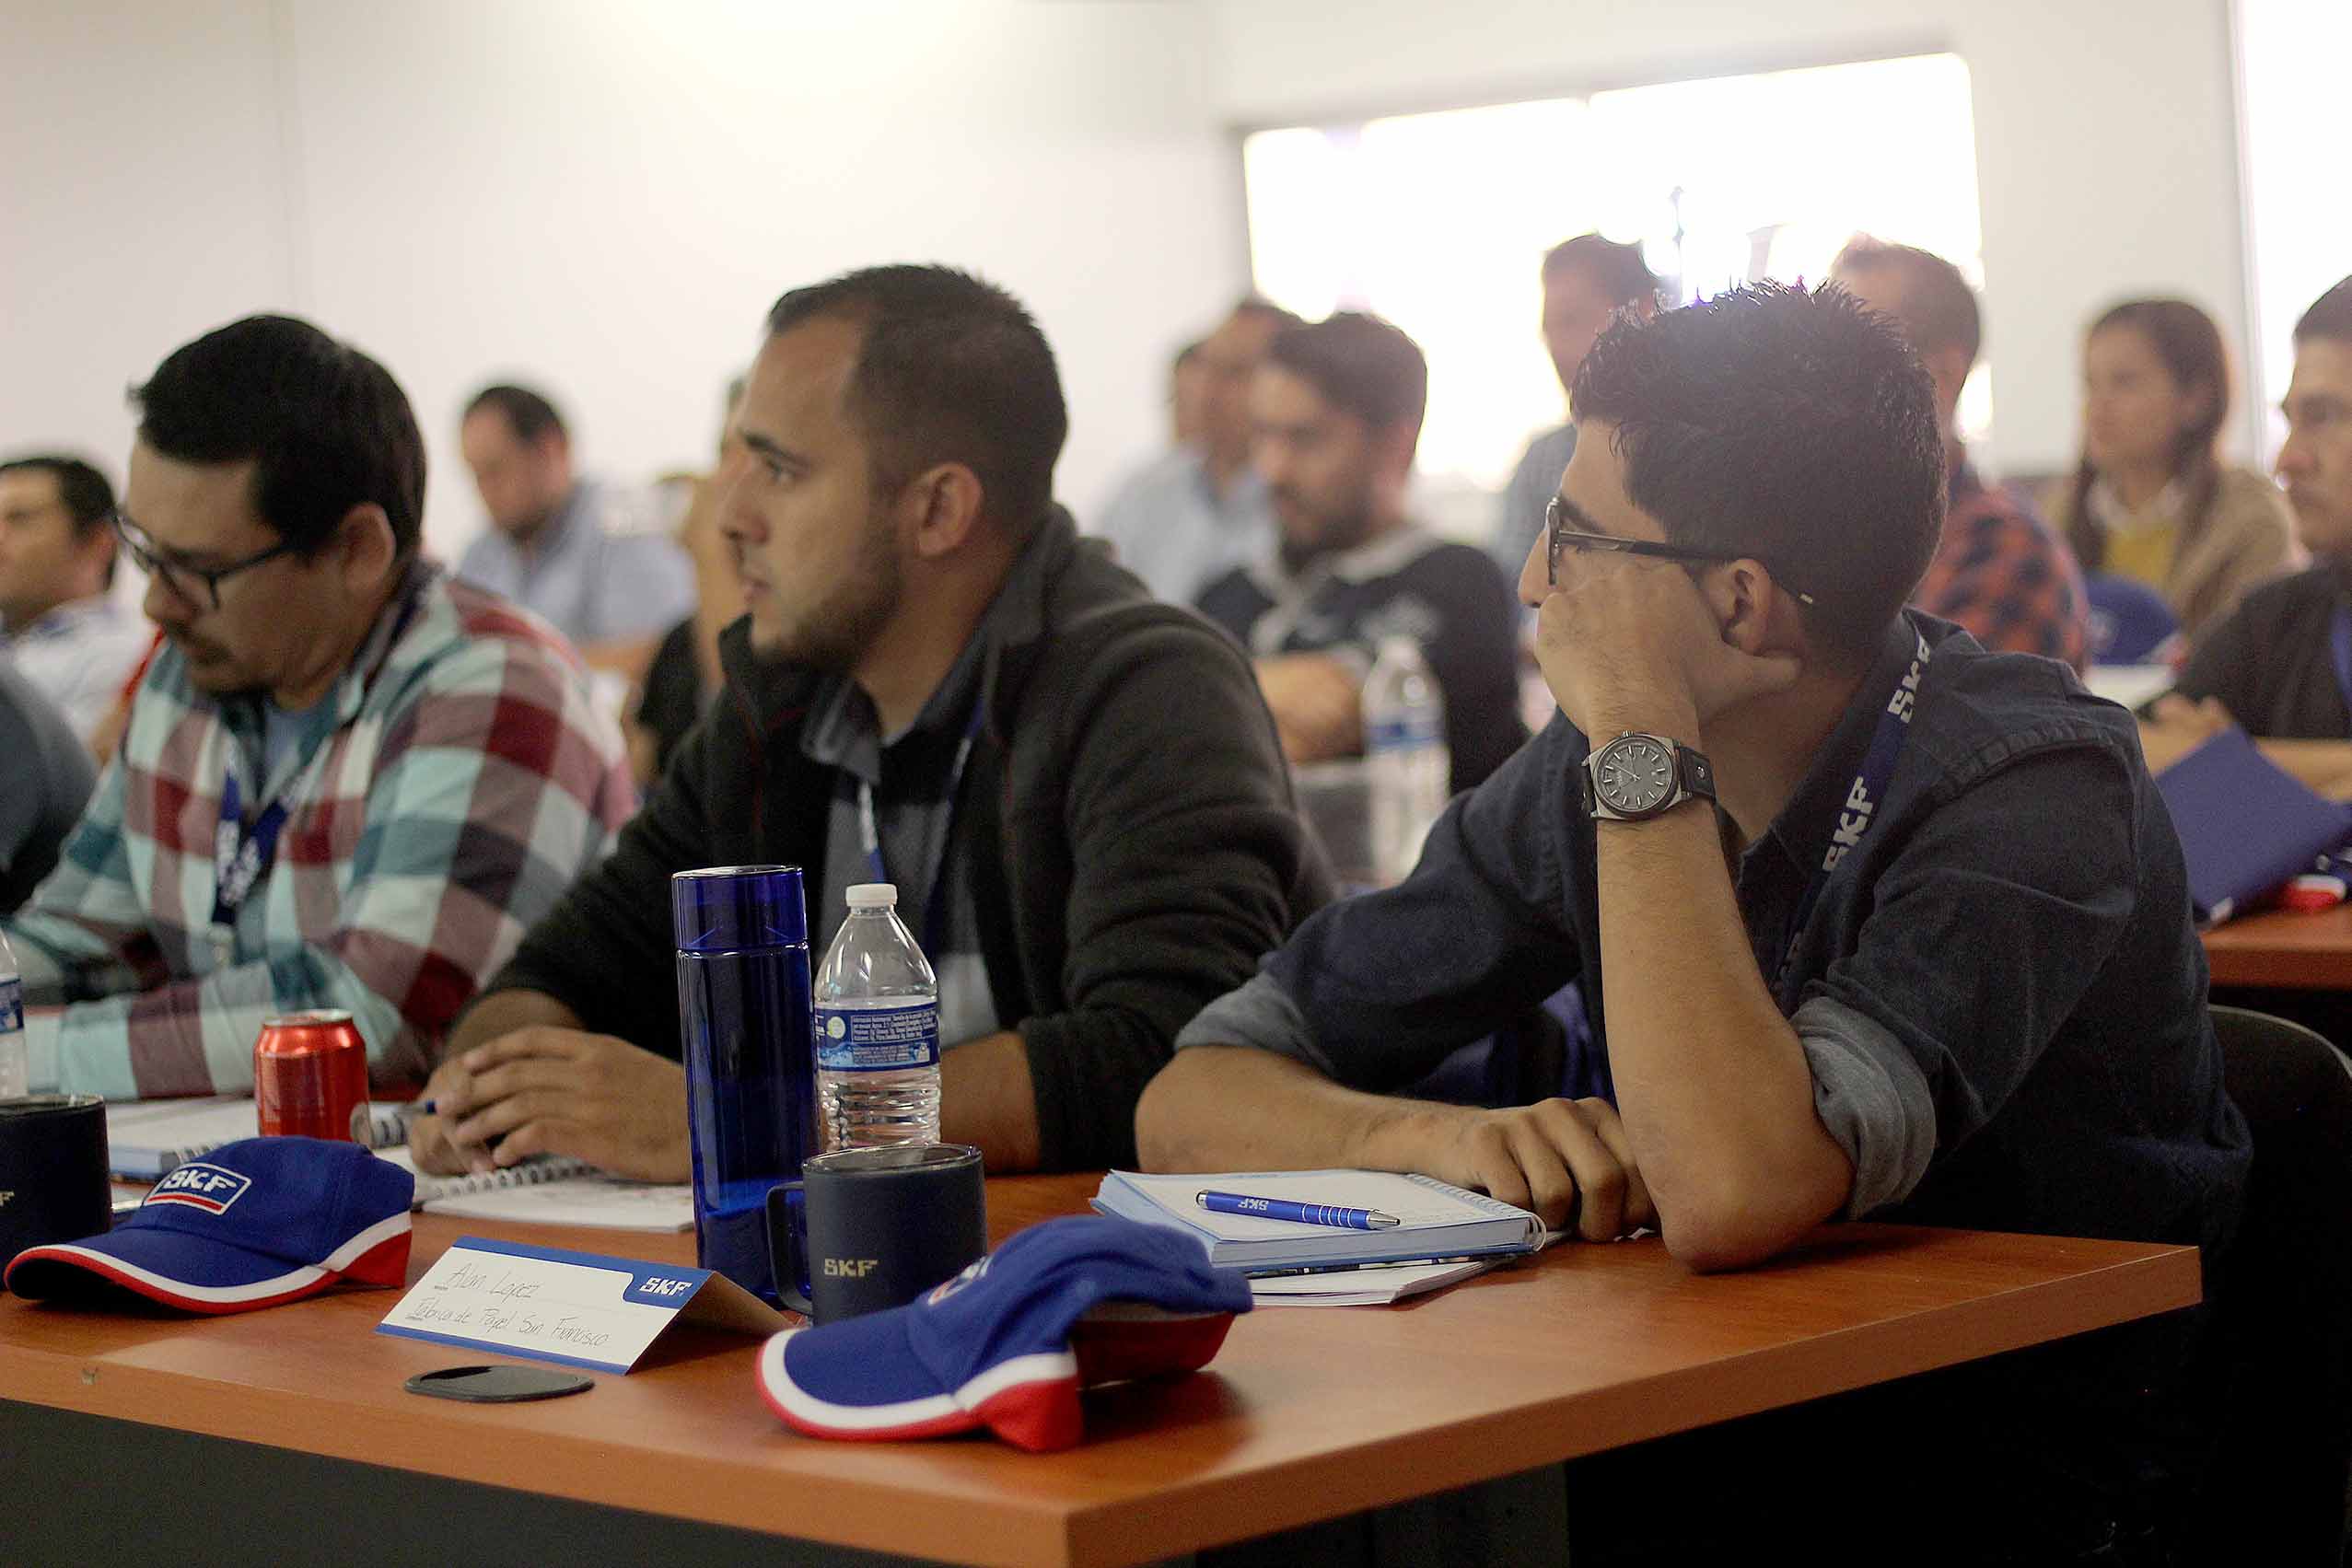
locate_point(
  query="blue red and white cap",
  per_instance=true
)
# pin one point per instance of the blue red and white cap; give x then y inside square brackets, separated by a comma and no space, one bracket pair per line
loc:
[1007,1344]
[252,1223]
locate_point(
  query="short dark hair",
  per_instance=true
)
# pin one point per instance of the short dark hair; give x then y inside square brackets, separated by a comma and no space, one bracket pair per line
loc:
[1616,269]
[1266,310]
[2330,316]
[88,498]
[951,368]
[528,414]
[1360,365]
[1795,428]
[326,427]
[1939,309]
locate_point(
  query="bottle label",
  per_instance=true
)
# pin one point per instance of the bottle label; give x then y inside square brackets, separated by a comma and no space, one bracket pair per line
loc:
[1405,731]
[876,1039]
[12,1004]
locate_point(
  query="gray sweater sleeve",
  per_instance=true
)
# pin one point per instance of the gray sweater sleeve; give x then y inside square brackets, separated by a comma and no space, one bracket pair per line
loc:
[1870,1094]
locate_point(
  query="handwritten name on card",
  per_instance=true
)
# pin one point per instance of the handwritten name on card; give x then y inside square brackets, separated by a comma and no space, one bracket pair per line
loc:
[579,1309]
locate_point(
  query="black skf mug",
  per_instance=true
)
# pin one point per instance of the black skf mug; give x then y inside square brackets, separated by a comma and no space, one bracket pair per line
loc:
[867,1229]
[53,1171]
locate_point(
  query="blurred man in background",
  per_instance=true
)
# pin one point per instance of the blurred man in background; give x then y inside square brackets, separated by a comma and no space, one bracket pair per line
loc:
[2000,572]
[1337,411]
[1191,516]
[552,546]
[1586,280]
[69,637]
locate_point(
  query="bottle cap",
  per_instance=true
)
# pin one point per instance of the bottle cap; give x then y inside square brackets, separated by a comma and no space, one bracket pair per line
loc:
[733,909]
[874,896]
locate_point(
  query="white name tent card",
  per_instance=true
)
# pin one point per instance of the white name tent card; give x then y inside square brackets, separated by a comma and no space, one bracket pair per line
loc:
[579,1309]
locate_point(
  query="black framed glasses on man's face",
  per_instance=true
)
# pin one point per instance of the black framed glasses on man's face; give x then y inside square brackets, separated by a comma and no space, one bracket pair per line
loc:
[1560,518]
[196,587]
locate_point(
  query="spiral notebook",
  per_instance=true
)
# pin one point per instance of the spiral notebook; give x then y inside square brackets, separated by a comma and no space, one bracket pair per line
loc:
[148,1138]
[554,1191]
[1435,1220]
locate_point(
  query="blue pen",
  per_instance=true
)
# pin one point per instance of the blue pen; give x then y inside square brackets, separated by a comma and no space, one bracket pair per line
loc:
[1296,1214]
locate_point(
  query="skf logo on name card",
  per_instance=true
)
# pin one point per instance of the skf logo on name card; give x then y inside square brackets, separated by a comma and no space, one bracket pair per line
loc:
[201,1186]
[658,1290]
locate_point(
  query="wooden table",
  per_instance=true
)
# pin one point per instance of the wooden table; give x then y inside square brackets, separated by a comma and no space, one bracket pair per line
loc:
[2283,948]
[1306,1415]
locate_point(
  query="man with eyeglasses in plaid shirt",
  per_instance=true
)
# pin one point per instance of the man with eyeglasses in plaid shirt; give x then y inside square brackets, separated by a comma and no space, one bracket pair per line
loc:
[347,781]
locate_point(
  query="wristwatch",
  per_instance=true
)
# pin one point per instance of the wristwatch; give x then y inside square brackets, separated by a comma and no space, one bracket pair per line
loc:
[1638,776]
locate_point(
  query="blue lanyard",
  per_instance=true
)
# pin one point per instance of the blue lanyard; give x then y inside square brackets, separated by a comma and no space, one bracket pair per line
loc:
[935,911]
[2339,639]
[241,856]
[1859,808]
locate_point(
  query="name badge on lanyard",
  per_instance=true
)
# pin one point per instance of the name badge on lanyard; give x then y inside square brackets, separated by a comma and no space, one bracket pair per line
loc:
[241,858]
[1858,810]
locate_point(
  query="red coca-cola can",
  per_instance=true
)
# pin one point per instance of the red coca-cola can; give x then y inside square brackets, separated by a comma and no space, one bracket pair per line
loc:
[310,1075]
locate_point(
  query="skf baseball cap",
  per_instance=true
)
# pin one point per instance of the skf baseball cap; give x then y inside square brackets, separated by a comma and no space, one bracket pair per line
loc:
[253,1223]
[1007,1344]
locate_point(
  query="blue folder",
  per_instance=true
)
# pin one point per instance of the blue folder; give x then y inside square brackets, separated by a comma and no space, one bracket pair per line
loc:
[2246,825]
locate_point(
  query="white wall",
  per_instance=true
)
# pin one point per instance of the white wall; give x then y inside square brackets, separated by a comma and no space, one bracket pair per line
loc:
[603,196]
[2105,140]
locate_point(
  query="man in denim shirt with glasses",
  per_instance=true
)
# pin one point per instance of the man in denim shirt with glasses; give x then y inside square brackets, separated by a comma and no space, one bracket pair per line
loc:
[1872,922]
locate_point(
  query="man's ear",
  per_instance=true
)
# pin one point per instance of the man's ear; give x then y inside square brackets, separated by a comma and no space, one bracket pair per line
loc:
[945,502]
[1755,613]
[366,549]
[1948,368]
[1392,451]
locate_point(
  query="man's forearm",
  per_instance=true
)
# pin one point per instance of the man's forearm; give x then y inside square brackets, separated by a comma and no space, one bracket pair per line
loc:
[1236,1108]
[503,1012]
[986,1100]
[1712,1082]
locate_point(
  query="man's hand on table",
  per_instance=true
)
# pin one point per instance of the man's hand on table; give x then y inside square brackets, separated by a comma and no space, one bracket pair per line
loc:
[1567,1160]
[548,1090]
[1317,706]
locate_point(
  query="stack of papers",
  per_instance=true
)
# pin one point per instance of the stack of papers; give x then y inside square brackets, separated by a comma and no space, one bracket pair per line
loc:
[1367,1285]
[554,1191]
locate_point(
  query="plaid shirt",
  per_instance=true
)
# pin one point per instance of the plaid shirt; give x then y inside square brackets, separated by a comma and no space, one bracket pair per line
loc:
[2005,576]
[464,782]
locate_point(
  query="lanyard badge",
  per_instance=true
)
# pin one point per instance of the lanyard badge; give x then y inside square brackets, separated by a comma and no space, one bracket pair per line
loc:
[241,856]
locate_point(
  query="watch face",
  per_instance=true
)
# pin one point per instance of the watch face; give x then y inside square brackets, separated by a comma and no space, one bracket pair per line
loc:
[1635,774]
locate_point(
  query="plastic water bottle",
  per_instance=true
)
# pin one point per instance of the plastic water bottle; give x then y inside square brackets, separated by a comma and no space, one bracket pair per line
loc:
[1404,753]
[878,1029]
[16,1061]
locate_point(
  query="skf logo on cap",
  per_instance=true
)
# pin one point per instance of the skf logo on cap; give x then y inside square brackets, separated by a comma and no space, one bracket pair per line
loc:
[201,1186]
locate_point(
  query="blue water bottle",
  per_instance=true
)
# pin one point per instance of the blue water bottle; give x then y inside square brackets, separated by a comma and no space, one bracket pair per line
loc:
[743,1020]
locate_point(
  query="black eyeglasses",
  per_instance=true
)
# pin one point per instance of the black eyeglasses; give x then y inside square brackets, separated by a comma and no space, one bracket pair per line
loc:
[177,575]
[1558,516]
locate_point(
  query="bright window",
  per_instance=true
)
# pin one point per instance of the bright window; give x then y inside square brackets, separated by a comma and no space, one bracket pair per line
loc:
[2291,55]
[1439,222]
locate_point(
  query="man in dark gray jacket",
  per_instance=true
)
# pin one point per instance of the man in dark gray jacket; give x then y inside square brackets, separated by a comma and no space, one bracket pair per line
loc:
[1077,792]
[45,780]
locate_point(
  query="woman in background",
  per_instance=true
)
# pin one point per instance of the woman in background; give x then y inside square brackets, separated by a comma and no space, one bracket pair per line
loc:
[2151,501]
